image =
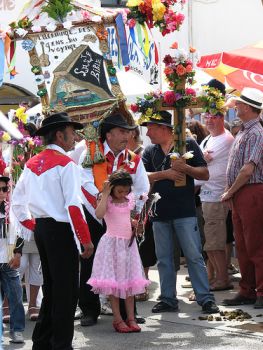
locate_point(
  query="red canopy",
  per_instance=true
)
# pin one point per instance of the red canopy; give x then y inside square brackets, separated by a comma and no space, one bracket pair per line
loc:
[238,68]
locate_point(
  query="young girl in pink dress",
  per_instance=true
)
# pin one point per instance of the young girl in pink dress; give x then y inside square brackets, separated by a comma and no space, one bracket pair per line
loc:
[117,269]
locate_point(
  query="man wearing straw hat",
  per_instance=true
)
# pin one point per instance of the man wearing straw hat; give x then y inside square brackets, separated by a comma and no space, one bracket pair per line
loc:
[245,193]
[46,200]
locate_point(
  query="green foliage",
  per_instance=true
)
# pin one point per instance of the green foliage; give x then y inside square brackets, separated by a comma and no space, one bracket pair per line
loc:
[57,9]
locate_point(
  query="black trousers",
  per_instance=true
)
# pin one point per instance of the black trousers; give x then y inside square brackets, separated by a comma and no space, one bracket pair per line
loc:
[54,328]
[89,302]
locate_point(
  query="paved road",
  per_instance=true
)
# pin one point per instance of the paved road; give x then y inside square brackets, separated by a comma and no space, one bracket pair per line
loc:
[182,330]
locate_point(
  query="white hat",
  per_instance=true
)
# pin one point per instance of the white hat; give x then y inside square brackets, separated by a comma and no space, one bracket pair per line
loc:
[252,97]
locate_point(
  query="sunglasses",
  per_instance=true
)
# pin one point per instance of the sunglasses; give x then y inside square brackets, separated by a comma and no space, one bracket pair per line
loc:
[4,189]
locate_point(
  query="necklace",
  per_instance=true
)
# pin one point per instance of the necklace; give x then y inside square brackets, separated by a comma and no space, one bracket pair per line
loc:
[161,165]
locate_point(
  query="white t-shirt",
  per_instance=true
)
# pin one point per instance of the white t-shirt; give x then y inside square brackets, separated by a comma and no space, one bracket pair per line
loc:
[219,146]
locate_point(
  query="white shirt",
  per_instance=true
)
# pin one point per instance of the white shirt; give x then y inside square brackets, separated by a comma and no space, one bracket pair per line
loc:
[219,146]
[50,189]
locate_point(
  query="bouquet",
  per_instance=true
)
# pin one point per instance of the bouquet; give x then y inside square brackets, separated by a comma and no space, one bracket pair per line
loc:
[156,13]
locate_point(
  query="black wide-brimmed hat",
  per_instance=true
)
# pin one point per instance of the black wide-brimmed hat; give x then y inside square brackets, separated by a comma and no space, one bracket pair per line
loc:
[117,121]
[54,121]
[166,119]
[4,178]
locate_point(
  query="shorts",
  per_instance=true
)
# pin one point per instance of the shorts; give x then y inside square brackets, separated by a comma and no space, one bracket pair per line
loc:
[215,215]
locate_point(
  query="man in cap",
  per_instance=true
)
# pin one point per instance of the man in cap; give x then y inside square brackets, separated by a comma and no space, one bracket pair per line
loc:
[114,133]
[46,200]
[245,193]
[175,213]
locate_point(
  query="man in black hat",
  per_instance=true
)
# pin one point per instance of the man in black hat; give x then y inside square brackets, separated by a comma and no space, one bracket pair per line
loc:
[175,213]
[46,201]
[114,132]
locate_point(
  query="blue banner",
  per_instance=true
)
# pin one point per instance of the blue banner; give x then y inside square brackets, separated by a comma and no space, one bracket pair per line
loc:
[122,40]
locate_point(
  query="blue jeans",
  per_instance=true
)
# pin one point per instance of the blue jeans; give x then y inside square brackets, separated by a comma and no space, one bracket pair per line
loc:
[11,285]
[187,233]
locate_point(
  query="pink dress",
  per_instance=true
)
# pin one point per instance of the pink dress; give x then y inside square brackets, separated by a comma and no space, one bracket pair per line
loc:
[117,268]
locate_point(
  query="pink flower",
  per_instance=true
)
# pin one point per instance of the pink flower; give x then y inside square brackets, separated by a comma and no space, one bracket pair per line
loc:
[179,18]
[85,15]
[190,91]
[189,68]
[169,98]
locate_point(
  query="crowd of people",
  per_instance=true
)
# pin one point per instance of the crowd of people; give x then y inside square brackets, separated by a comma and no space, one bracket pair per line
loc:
[87,220]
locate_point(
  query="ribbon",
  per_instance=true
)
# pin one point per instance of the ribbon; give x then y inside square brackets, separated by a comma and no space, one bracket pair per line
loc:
[146,46]
[122,40]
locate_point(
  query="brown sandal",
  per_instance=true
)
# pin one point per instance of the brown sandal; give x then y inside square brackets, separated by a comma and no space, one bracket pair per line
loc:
[143,296]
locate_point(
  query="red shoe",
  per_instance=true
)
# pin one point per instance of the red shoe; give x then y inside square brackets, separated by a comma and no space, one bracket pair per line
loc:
[121,327]
[133,326]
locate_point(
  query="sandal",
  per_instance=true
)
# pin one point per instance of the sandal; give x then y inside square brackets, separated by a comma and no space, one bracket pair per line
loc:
[192,296]
[33,313]
[121,327]
[143,296]
[133,326]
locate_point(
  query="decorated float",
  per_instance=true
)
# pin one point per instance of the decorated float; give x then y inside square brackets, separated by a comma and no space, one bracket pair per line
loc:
[75,50]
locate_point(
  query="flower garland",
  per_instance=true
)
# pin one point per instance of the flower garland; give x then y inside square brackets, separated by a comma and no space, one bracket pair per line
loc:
[156,13]
[213,101]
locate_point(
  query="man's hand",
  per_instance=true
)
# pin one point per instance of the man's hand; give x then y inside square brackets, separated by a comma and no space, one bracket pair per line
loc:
[208,156]
[88,250]
[227,198]
[14,263]
[179,164]
[174,175]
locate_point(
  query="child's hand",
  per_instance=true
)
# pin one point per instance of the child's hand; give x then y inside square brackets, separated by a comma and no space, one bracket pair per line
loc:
[138,226]
[106,188]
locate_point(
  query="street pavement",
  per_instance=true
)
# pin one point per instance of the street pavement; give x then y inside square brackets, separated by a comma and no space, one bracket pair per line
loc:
[180,330]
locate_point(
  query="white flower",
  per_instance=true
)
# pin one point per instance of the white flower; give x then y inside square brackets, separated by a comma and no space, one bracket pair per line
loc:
[67,24]
[174,155]
[51,27]
[156,196]
[180,56]
[36,29]
[21,32]
[188,155]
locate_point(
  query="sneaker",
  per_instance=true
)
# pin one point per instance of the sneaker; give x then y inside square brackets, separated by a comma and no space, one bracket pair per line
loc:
[210,307]
[88,321]
[16,337]
[232,270]
[106,309]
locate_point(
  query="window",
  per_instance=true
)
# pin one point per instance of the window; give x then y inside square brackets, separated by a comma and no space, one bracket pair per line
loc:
[113,3]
